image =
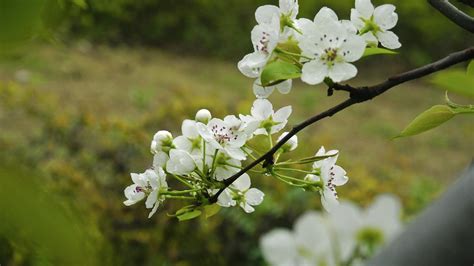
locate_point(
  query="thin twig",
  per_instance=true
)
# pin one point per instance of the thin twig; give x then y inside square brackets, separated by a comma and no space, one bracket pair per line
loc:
[454,14]
[357,95]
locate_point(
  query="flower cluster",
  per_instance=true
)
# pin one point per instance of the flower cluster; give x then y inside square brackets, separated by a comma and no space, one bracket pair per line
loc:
[207,159]
[322,49]
[211,150]
[346,236]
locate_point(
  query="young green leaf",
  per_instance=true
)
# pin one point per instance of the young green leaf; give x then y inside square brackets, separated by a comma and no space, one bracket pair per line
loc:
[431,118]
[470,69]
[211,210]
[376,50]
[277,71]
[455,81]
[189,215]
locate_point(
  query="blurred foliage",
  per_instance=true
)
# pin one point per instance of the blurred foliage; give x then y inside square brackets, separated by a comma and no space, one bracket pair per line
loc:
[222,28]
[36,227]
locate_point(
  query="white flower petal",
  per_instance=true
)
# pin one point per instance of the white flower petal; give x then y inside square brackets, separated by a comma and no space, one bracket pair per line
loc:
[370,39]
[246,207]
[254,196]
[279,247]
[289,7]
[151,199]
[384,213]
[242,183]
[236,153]
[325,13]
[183,143]
[314,72]
[282,114]
[180,163]
[264,14]
[329,200]
[261,109]
[342,71]
[225,199]
[365,8]
[260,91]
[160,159]
[354,48]
[251,65]
[188,128]
[388,39]
[385,16]
[285,86]
[356,19]
[340,177]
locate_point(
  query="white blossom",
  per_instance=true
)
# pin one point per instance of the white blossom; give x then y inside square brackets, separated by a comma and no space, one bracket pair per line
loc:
[269,121]
[180,163]
[240,193]
[291,144]
[330,175]
[148,184]
[331,47]
[375,23]
[263,92]
[190,141]
[378,224]
[227,135]
[308,244]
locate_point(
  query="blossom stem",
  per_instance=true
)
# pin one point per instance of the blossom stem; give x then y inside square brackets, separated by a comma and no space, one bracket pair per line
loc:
[214,159]
[204,156]
[279,50]
[294,169]
[179,197]
[249,154]
[295,179]
[270,140]
[286,181]
[179,192]
[183,181]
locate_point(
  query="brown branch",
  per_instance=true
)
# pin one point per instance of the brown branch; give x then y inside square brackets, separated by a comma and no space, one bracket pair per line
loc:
[356,95]
[454,14]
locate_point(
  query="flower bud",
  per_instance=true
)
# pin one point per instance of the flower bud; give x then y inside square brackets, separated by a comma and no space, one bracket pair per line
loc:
[291,144]
[162,141]
[203,116]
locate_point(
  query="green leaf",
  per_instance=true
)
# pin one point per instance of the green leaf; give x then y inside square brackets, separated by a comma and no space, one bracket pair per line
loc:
[80,3]
[455,81]
[431,118]
[211,210]
[189,215]
[278,71]
[376,50]
[470,68]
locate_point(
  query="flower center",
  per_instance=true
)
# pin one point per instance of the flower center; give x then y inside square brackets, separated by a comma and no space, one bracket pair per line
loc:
[262,45]
[223,134]
[330,184]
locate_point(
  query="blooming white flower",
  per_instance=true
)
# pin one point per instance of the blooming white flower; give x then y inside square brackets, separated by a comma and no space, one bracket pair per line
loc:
[241,193]
[332,46]
[291,144]
[330,175]
[148,184]
[308,244]
[263,92]
[265,38]
[375,24]
[269,121]
[190,141]
[374,226]
[288,9]
[180,163]
[203,116]
[227,135]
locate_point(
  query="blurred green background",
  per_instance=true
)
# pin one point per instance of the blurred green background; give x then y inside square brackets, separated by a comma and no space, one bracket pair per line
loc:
[84,85]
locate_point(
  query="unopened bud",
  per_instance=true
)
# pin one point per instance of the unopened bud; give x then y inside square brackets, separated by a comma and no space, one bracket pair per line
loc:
[162,141]
[203,116]
[291,144]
